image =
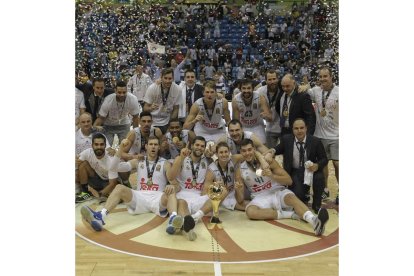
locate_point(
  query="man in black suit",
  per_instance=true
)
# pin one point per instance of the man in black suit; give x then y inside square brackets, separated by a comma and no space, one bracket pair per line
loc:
[297,149]
[191,92]
[95,98]
[291,105]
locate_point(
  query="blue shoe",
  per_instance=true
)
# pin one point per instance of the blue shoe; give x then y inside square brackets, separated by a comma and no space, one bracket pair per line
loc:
[93,218]
[175,222]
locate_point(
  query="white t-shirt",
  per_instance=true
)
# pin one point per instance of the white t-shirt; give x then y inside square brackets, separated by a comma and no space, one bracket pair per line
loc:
[162,115]
[117,113]
[100,166]
[139,85]
[327,127]
[83,142]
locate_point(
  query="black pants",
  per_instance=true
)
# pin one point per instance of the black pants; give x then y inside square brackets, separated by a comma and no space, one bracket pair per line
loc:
[301,190]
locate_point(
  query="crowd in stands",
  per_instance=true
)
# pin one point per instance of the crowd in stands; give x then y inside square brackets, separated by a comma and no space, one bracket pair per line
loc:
[236,41]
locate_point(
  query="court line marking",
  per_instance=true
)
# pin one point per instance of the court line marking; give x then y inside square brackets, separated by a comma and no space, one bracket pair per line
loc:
[205,262]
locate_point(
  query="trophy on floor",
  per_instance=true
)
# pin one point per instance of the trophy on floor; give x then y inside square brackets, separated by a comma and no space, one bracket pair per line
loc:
[216,193]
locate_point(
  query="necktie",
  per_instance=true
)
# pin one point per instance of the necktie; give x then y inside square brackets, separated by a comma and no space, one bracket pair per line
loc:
[282,113]
[188,96]
[301,155]
[95,108]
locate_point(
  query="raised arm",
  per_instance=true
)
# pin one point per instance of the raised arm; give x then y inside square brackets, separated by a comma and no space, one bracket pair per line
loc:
[264,107]
[226,111]
[193,117]
[235,111]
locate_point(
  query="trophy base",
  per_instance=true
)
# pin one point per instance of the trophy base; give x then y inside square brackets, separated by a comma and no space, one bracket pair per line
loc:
[215,223]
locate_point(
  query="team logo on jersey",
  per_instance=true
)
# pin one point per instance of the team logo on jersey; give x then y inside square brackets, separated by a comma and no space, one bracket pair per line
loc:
[231,169]
[248,178]
[158,168]
[142,166]
[217,110]
[203,165]
[187,167]
[255,105]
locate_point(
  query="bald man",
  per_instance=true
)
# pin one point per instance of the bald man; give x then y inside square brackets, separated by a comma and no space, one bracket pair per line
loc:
[291,105]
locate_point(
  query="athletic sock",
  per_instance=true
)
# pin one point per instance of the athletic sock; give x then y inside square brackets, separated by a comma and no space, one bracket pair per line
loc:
[173,214]
[326,189]
[284,214]
[198,215]
[309,217]
[104,213]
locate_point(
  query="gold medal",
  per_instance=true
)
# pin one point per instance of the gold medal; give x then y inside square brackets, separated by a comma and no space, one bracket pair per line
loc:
[194,182]
[323,112]
[149,182]
[176,140]
[285,113]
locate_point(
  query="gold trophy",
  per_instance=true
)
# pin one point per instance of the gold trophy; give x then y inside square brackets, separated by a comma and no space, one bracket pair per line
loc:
[216,194]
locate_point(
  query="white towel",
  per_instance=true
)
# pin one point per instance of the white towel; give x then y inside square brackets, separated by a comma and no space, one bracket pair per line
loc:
[308,178]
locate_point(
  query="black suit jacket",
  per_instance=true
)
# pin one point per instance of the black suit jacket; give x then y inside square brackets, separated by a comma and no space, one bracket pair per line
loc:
[198,92]
[90,102]
[300,107]
[315,151]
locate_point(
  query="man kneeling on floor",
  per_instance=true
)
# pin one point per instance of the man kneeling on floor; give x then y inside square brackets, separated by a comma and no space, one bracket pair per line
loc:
[270,197]
[153,194]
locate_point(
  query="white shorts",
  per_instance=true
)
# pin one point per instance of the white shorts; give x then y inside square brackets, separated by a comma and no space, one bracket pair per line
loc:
[146,202]
[194,201]
[210,134]
[274,200]
[258,131]
[230,201]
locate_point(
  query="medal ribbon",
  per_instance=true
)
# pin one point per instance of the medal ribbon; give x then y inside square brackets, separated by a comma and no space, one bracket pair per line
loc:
[212,111]
[194,170]
[164,97]
[223,176]
[150,173]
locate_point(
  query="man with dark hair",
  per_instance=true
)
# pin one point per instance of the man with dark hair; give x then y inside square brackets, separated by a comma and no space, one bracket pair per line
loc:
[95,177]
[115,111]
[270,198]
[138,137]
[153,194]
[190,92]
[163,100]
[304,159]
[251,108]
[95,99]
[177,138]
[189,169]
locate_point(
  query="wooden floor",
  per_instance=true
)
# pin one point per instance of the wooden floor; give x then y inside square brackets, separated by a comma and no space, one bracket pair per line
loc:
[95,260]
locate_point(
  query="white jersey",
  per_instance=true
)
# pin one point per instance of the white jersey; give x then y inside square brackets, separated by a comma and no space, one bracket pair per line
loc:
[83,142]
[117,113]
[327,127]
[234,148]
[227,175]
[186,175]
[139,85]
[140,141]
[216,120]
[174,151]
[258,184]
[274,125]
[249,115]
[79,102]
[159,178]
[162,115]
[100,166]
